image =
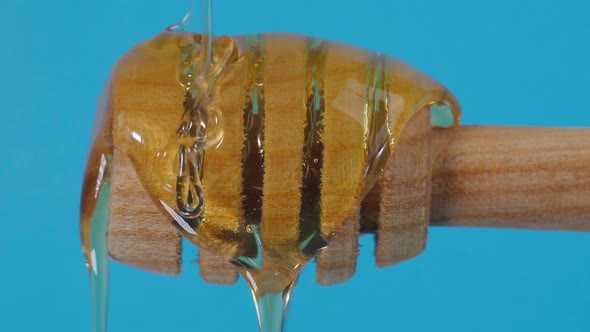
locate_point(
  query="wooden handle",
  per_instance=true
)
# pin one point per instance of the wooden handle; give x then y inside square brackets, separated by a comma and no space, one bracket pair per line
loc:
[511,177]
[508,177]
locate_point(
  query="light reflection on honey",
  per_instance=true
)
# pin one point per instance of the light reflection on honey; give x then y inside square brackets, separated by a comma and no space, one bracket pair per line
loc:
[263,157]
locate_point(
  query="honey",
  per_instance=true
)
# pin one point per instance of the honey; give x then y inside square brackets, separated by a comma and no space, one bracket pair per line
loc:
[258,147]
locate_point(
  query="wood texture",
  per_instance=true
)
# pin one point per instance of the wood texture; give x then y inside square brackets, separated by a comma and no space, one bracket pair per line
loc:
[404,209]
[139,235]
[512,177]
[343,137]
[401,209]
[283,140]
[337,263]
[216,270]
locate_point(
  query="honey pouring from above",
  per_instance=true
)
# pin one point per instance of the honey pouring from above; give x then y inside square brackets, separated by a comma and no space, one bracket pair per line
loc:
[260,148]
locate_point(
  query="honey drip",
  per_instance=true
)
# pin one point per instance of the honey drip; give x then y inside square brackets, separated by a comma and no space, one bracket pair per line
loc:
[259,147]
[94,225]
[194,134]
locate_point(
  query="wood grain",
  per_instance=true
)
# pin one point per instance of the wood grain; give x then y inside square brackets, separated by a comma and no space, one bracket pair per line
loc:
[404,209]
[216,270]
[139,234]
[337,263]
[512,177]
[283,140]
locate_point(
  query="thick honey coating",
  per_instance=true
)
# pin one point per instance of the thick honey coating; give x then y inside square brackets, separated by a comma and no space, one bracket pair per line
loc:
[307,127]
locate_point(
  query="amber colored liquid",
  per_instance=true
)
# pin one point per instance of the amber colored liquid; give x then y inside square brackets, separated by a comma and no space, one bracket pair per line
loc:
[229,176]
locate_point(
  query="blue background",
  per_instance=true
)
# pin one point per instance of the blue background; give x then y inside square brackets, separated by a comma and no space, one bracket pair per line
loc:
[509,62]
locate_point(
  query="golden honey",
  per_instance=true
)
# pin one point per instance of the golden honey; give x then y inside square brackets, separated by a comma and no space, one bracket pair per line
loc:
[262,154]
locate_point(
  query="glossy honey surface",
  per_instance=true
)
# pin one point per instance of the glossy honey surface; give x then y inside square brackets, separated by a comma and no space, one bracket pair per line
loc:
[308,126]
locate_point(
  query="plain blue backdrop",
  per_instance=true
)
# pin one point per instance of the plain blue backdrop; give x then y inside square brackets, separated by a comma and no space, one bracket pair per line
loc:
[523,62]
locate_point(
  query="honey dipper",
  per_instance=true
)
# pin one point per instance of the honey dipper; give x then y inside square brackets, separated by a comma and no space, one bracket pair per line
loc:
[501,177]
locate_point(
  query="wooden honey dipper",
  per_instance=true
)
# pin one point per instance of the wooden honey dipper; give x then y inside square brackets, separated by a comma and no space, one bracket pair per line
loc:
[472,176]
